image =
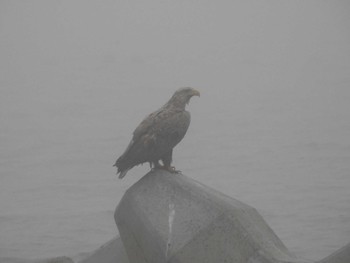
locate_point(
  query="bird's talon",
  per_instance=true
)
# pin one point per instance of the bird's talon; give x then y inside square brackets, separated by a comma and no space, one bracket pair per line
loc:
[170,169]
[173,170]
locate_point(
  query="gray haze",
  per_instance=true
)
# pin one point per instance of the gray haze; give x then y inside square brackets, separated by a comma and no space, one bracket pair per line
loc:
[272,126]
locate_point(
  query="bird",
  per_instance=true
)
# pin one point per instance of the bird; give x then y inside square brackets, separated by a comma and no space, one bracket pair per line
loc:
[155,137]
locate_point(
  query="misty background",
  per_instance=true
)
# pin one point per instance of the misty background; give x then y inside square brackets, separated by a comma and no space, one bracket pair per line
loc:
[271,128]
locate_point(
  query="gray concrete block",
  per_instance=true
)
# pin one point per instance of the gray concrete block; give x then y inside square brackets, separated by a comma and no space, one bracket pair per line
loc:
[111,252]
[340,256]
[171,218]
[47,260]
[57,260]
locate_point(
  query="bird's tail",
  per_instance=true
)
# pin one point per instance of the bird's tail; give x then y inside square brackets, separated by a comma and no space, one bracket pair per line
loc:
[127,160]
[122,173]
[121,170]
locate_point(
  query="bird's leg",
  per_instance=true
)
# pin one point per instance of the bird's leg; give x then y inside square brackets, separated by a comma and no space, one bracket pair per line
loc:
[167,159]
[155,165]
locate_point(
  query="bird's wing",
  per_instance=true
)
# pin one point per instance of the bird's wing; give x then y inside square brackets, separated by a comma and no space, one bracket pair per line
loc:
[172,127]
[157,134]
[147,123]
[142,131]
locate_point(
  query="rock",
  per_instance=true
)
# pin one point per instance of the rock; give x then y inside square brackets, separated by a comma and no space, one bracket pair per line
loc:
[57,260]
[111,252]
[166,217]
[47,260]
[340,256]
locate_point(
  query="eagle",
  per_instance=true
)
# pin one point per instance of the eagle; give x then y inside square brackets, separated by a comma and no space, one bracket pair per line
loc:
[156,136]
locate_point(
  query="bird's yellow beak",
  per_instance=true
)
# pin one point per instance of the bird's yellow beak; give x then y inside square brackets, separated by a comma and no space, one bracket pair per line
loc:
[196,93]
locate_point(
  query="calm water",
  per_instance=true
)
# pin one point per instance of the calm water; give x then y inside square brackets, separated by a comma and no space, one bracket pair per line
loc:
[271,127]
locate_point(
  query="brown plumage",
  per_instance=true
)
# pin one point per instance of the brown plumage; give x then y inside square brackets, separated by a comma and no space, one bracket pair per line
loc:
[156,136]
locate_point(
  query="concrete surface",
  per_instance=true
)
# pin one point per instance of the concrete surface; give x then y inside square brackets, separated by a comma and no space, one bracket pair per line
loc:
[171,218]
[340,256]
[111,252]
[47,260]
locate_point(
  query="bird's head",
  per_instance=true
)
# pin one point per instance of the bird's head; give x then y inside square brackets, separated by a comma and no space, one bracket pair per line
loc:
[182,96]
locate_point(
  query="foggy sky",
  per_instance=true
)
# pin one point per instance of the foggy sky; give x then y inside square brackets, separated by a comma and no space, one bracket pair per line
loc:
[76,77]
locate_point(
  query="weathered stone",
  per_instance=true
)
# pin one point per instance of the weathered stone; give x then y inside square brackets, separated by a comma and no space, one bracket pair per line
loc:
[47,260]
[340,256]
[166,217]
[111,252]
